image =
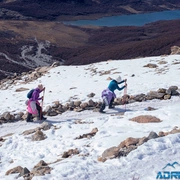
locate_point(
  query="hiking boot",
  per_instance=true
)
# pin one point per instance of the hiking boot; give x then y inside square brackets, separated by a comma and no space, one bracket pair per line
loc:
[111,107]
[43,118]
[102,111]
[29,120]
[29,117]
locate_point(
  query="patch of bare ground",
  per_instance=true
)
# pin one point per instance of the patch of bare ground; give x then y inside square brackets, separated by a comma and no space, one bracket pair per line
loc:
[54,32]
[83,45]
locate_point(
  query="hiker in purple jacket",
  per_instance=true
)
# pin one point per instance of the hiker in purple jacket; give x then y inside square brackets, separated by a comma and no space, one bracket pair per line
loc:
[34,105]
[108,94]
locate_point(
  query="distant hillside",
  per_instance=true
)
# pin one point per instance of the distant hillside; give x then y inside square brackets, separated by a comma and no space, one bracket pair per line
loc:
[32,36]
[75,9]
[26,45]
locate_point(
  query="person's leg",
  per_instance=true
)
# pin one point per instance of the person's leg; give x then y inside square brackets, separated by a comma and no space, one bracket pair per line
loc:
[39,110]
[102,107]
[40,115]
[111,103]
[104,104]
[29,117]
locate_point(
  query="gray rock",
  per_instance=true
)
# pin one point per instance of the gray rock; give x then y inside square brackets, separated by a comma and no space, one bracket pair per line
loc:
[152,135]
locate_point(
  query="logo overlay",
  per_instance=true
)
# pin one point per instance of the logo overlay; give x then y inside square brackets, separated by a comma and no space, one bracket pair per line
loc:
[169,171]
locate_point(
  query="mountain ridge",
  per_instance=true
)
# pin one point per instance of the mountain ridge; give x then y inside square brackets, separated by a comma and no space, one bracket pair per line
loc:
[76,9]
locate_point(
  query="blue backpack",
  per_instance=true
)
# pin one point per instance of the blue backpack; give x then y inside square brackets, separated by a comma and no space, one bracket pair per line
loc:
[29,94]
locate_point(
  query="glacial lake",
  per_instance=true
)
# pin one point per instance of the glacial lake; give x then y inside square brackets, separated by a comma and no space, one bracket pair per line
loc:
[128,20]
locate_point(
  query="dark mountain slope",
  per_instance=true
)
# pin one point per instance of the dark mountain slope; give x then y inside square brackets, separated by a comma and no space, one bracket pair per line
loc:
[32,36]
[75,9]
[26,45]
[127,42]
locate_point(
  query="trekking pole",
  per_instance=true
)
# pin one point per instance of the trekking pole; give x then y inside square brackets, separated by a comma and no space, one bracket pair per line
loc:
[125,93]
[42,103]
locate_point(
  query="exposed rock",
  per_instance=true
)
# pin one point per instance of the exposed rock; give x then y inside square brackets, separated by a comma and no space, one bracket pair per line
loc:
[21,89]
[140,97]
[152,135]
[52,113]
[17,169]
[150,65]
[167,96]
[174,131]
[84,105]
[38,136]
[125,151]
[7,116]
[88,135]
[162,62]
[43,69]
[56,64]
[55,104]
[161,90]
[130,144]
[48,109]
[41,163]
[78,106]
[70,153]
[125,99]
[91,103]
[94,131]
[161,134]
[24,171]
[30,131]
[1,139]
[173,90]
[146,119]
[45,126]
[79,121]
[91,95]
[154,94]
[78,109]
[150,109]
[142,140]
[19,116]
[77,103]
[110,153]
[175,50]
[109,79]
[41,169]
[129,141]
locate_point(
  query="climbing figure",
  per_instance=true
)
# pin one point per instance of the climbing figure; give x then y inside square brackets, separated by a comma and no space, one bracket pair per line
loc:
[33,105]
[108,94]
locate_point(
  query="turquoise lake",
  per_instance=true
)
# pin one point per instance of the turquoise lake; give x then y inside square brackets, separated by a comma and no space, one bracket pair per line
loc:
[129,20]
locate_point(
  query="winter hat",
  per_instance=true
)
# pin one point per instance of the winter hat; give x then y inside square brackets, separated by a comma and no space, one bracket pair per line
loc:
[40,86]
[118,79]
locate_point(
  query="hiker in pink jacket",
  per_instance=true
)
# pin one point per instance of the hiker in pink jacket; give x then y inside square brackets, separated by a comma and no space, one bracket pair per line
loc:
[34,107]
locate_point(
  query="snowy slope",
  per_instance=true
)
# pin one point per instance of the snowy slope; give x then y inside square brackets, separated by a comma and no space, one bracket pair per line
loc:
[143,163]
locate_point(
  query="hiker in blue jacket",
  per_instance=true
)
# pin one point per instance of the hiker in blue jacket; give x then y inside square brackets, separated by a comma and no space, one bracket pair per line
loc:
[108,94]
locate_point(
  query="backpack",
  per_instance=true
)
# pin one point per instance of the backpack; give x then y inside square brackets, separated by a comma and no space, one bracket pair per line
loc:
[29,94]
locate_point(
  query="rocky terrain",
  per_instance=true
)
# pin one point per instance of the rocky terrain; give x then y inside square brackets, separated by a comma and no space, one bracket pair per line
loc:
[76,105]
[32,36]
[73,129]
